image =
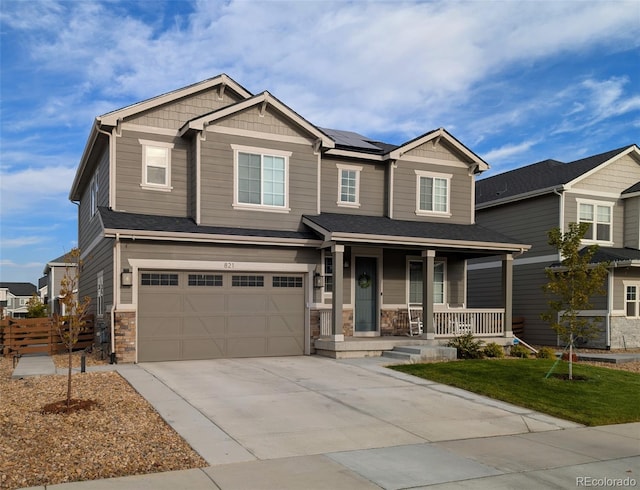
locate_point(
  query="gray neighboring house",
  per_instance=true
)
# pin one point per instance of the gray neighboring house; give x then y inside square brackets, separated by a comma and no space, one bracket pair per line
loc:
[14,297]
[603,190]
[218,223]
[53,273]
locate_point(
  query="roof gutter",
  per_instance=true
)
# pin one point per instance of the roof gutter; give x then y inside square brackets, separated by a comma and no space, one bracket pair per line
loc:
[519,197]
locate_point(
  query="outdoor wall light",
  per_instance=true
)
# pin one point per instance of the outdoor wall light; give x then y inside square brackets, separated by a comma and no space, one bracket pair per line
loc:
[317,280]
[126,278]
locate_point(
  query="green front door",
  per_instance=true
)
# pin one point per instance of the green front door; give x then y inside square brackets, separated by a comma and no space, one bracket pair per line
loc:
[366,297]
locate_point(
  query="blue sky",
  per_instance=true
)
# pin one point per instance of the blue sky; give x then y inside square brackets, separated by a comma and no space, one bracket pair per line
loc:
[517,82]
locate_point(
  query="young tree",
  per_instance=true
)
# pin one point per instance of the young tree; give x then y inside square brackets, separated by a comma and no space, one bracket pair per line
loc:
[73,320]
[573,285]
[36,308]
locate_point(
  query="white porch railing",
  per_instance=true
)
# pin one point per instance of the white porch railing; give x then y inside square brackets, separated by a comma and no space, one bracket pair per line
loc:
[479,322]
[325,323]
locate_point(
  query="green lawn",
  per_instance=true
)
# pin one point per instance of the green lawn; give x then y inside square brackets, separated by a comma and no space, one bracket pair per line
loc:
[606,396]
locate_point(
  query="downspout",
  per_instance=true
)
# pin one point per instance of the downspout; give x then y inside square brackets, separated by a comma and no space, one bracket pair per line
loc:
[607,322]
[116,297]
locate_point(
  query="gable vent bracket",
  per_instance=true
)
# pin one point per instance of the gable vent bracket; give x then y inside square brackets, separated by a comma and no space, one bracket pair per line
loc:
[263,108]
[436,141]
[221,88]
[317,144]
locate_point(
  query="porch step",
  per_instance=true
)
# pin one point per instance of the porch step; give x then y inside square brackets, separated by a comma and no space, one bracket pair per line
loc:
[420,353]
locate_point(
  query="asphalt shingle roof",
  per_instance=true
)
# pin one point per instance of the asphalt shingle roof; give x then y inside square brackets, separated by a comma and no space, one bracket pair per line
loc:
[611,254]
[117,220]
[377,225]
[538,176]
[20,288]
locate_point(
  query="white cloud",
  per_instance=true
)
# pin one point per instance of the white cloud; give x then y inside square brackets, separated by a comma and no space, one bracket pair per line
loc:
[38,190]
[507,151]
[22,241]
[370,65]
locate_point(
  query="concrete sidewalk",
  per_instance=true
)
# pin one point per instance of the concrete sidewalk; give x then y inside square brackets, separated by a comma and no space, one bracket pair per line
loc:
[546,453]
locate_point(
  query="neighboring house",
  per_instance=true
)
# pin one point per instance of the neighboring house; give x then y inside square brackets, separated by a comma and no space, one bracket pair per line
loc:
[218,223]
[53,273]
[14,297]
[603,190]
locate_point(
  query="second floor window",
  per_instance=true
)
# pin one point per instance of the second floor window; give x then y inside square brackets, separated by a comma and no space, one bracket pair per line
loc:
[261,178]
[432,194]
[93,191]
[156,165]
[349,185]
[599,218]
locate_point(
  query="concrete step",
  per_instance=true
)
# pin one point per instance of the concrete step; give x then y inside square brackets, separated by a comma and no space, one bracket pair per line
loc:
[421,353]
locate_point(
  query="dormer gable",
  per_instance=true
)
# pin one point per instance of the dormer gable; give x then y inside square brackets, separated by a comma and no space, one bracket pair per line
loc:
[263,103]
[448,147]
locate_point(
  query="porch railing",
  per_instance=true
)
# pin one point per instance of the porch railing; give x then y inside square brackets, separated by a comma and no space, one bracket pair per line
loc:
[325,323]
[480,322]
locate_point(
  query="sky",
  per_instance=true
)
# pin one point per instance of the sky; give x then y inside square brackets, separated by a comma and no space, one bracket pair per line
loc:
[515,81]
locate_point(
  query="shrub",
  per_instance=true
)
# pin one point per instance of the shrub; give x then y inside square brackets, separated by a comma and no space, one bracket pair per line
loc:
[546,353]
[493,350]
[467,346]
[519,350]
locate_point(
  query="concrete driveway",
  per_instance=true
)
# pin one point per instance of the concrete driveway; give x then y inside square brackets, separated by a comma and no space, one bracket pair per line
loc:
[272,408]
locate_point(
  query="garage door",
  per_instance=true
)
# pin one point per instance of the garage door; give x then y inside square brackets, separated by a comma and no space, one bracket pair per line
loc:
[191,315]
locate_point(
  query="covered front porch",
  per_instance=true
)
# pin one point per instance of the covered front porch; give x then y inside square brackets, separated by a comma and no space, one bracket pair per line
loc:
[404,285]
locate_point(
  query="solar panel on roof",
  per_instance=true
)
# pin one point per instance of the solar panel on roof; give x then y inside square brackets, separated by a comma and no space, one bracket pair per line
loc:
[349,138]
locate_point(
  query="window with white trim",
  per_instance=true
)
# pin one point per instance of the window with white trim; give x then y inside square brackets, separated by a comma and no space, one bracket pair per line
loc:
[93,194]
[415,282]
[261,178]
[156,165]
[632,301]
[100,295]
[599,217]
[432,193]
[348,185]
[328,274]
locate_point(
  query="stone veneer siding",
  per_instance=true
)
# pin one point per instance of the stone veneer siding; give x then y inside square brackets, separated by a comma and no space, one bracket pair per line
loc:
[125,336]
[625,332]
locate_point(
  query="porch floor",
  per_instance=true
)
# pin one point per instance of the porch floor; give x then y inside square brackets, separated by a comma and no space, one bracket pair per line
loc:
[355,347]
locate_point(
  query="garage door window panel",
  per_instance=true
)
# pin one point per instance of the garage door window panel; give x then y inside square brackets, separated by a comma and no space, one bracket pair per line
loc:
[159,279]
[247,281]
[213,280]
[287,282]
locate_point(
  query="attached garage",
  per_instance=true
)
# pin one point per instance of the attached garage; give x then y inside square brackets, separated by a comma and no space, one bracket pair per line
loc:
[206,315]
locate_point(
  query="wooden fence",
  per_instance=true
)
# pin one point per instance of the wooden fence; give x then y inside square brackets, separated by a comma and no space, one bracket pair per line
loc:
[38,336]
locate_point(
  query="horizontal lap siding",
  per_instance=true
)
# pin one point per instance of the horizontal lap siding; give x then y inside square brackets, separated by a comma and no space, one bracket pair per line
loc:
[527,221]
[405,189]
[131,196]
[632,222]
[614,178]
[89,227]
[622,275]
[218,185]
[373,189]
[99,259]
[175,114]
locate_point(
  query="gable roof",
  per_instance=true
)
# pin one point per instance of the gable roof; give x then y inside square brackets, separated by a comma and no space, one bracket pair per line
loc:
[436,135]
[20,288]
[62,261]
[541,178]
[223,80]
[378,229]
[111,119]
[632,191]
[264,99]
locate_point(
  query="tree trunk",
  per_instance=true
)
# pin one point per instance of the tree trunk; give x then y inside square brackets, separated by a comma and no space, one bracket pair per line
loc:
[571,356]
[69,380]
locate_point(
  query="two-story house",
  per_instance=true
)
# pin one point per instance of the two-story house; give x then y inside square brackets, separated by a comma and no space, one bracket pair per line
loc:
[14,297]
[602,190]
[218,223]
[51,281]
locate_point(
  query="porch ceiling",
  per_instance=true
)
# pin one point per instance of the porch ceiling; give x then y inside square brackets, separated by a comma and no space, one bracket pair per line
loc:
[391,232]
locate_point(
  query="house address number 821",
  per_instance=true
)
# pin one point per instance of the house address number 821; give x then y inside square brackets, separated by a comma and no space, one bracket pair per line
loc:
[228,265]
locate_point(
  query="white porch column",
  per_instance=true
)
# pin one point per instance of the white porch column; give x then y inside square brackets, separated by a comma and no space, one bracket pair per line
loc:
[507,291]
[428,261]
[337,297]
